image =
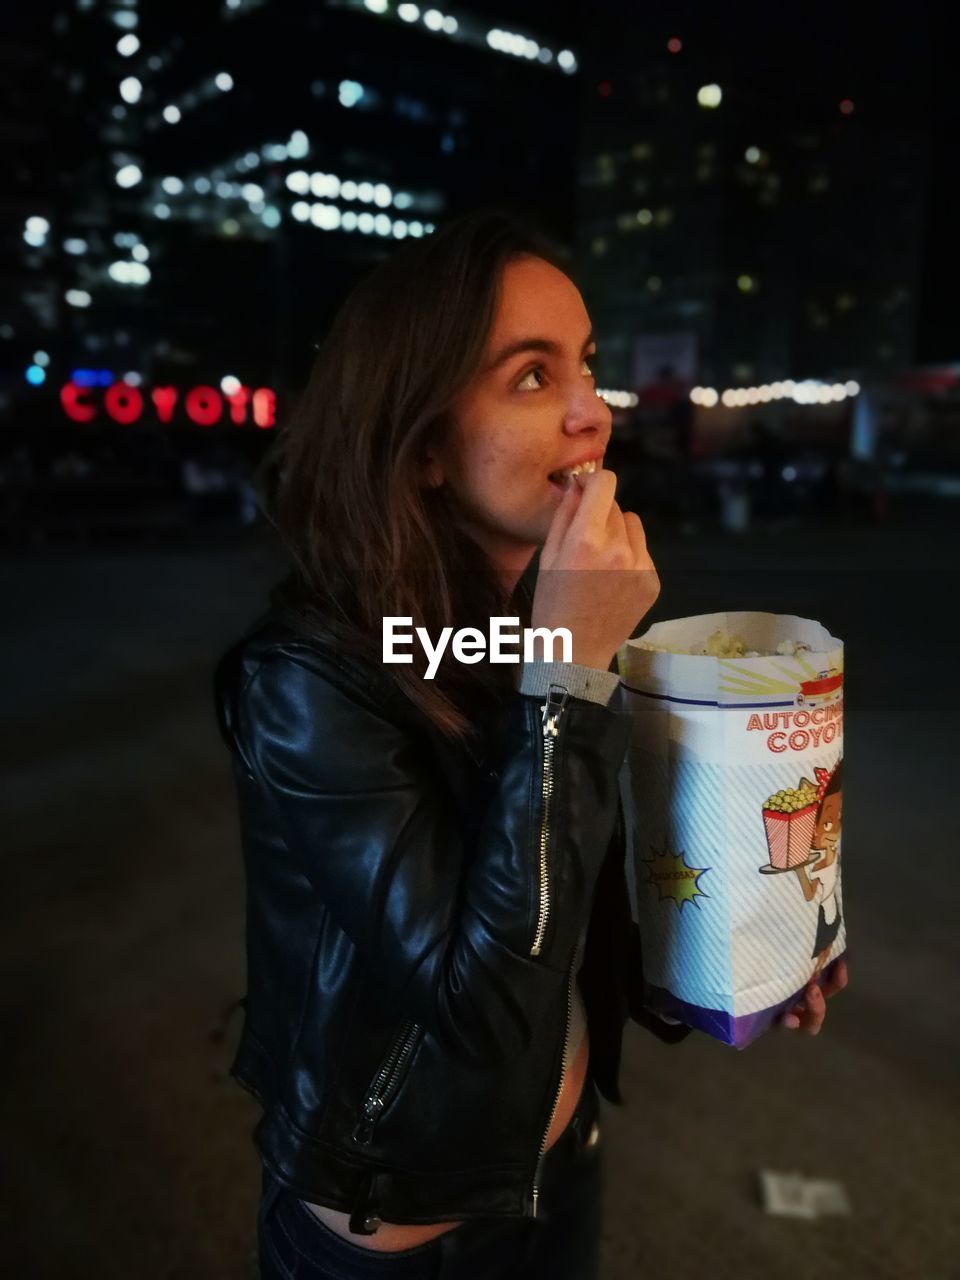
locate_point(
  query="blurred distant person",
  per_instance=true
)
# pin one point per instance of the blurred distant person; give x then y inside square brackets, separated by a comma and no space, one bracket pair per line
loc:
[762,456]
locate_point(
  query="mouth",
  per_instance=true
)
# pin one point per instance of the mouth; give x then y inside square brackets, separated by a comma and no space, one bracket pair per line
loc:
[559,478]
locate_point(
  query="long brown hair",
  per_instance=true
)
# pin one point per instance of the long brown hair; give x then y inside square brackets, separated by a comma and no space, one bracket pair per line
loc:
[343,484]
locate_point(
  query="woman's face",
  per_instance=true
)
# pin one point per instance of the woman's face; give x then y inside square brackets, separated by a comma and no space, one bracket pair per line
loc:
[827,831]
[530,411]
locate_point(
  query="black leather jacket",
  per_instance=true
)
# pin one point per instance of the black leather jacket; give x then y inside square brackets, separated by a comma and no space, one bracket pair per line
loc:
[413,912]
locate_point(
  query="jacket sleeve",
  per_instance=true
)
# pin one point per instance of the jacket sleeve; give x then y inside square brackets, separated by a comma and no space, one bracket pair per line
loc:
[446,921]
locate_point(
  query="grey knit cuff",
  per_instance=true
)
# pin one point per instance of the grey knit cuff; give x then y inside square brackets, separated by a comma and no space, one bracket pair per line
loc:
[588,683]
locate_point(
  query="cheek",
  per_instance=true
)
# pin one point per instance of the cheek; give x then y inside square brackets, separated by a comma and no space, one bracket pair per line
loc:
[501,469]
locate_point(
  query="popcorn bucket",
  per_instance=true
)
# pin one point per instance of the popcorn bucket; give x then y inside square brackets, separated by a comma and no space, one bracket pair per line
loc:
[732,791]
[789,835]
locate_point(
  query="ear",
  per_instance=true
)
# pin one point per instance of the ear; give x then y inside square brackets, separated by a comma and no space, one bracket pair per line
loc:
[431,471]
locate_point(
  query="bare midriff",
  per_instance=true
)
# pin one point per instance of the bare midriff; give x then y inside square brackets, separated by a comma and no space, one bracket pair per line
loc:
[391,1236]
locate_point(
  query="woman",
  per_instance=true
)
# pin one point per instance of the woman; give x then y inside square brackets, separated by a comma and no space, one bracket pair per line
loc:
[440,953]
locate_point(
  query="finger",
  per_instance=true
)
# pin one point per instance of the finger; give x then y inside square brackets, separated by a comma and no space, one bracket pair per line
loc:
[837,980]
[813,1025]
[590,519]
[617,529]
[638,540]
[816,1010]
[791,1021]
[562,516]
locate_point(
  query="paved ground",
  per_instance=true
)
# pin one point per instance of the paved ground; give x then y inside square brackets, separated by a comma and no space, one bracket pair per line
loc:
[127,1150]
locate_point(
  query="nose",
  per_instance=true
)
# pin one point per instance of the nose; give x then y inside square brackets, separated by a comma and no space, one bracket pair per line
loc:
[587,415]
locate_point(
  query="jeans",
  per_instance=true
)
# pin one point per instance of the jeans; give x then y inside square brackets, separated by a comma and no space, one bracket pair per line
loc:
[561,1243]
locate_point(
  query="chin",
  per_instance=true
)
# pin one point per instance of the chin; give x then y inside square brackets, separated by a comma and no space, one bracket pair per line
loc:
[534,532]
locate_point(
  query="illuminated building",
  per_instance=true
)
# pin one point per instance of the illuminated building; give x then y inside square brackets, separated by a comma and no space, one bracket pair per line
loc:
[228,169]
[741,230]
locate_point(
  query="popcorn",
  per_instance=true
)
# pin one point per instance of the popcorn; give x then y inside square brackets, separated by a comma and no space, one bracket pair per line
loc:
[721,644]
[792,799]
[789,648]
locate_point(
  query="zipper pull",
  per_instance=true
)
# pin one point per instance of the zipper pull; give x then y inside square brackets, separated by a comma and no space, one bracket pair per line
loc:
[534,1200]
[371,1111]
[553,708]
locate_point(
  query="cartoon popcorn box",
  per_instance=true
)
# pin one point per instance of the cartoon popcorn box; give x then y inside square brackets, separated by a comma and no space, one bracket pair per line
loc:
[789,820]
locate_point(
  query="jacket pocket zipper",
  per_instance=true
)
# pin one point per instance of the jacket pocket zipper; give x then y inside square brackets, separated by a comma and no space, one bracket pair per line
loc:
[552,710]
[387,1080]
[535,1197]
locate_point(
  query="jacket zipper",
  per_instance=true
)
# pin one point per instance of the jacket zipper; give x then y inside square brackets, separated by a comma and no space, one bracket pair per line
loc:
[535,1197]
[387,1080]
[552,710]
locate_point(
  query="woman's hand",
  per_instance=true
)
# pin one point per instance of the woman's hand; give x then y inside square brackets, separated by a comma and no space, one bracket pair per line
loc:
[596,577]
[809,1013]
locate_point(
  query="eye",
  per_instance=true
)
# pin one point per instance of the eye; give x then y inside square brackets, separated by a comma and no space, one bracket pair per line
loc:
[539,369]
[828,826]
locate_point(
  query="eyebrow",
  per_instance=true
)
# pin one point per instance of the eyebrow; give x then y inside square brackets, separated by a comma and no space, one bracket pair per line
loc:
[546,345]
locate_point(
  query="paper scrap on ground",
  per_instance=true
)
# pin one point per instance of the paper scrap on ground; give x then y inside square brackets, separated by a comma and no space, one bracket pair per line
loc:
[791,1195]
